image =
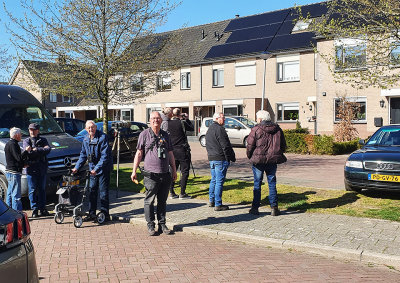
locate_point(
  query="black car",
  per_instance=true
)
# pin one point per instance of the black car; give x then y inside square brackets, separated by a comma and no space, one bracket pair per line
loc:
[70,125]
[377,164]
[17,255]
[129,133]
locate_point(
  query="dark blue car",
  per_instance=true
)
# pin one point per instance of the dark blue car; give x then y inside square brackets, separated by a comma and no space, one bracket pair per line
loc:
[377,164]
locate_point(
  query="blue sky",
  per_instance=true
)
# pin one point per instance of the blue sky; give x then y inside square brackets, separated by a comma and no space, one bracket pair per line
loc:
[189,13]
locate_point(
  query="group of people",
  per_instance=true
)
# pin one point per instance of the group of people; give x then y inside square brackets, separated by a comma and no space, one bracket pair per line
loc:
[164,148]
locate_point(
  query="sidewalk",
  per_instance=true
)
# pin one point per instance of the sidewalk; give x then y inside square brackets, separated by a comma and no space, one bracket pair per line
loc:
[344,237]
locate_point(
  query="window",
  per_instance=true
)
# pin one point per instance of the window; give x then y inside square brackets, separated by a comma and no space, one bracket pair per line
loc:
[136,83]
[245,73]
[66,98]
[53,96]
[163,82]
[185,79]
[232,124]
[288,68]
[218,76]
[126,115]
[350,54]
[69,114]
[149,110]
[359,107]
[287,112]
[301,25]
[118,85]
[233,110]
[395,53]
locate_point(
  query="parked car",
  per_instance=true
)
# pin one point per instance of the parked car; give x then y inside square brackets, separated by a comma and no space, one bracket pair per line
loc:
[70,126]
[377,164]
[19,108]
[129,132]
[17,255]
[237,127]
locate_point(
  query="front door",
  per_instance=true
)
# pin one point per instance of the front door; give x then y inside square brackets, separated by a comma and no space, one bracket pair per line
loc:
[395,110]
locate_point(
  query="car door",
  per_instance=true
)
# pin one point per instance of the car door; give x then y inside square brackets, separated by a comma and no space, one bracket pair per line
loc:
[233,128]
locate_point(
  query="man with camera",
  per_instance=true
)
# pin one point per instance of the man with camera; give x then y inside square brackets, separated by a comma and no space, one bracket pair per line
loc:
[97,152]
[177,128]
[155,147]
[37,149]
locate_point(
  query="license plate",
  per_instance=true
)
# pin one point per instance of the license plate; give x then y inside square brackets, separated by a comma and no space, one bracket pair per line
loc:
[73,183]
[383,178]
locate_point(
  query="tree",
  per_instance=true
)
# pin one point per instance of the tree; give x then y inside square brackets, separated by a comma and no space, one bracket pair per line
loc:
[374,26]
[347,112]
[5,61]
[92,43]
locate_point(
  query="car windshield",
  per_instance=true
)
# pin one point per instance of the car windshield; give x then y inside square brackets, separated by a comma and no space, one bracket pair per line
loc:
[385,137]
[110,129]
[21,116]
[249,123]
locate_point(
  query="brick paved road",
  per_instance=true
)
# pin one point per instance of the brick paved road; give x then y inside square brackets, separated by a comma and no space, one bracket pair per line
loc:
[121,252]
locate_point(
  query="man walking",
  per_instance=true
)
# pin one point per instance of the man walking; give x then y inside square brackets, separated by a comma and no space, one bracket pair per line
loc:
[177,128]
[37,149]
[155,147]
[96,150]
[220,154]
[265,147]
[15,163]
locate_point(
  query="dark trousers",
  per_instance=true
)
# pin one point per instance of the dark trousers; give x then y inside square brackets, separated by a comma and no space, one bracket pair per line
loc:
[37,191]
[156,186]
[182,161]
[101,184]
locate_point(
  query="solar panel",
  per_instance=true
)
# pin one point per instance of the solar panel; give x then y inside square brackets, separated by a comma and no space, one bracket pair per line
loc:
[292,41]
[237,48]
[253,33]
[286,27]
[257,20]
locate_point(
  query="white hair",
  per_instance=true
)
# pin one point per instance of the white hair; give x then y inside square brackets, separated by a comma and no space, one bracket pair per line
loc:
[14,131]
[90,122]
[216,115]
[263,115]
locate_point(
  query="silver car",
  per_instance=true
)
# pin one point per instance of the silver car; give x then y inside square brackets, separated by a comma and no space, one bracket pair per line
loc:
[237,127]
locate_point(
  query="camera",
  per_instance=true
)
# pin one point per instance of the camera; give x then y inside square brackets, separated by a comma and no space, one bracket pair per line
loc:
[90,158]
[161,152]
[120,125]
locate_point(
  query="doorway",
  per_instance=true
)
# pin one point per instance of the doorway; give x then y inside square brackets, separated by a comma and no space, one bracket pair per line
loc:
[395,110]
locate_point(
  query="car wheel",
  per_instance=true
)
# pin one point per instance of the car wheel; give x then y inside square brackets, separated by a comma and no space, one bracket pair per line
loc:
[245,142]
[3,187]
[203,141]
[352,189]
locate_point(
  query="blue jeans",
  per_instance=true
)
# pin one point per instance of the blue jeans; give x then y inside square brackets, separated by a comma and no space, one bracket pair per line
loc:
[100,183]
[37,191]
[13,198]
[258,172]
[218,174]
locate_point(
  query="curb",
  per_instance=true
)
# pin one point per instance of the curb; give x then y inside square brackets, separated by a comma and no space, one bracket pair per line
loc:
[325,251]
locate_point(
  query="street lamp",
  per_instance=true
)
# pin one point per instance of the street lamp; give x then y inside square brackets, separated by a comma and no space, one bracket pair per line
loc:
[265,55]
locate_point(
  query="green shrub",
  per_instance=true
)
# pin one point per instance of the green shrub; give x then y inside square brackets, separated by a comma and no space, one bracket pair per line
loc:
[296,142]
[345,147]
[323,144]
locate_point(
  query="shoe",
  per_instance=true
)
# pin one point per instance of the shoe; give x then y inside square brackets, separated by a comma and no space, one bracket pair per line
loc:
[184,196]
[211,204]
[275,211]
[151,230]
[90,217]
[162,228]
[254,211]
[35,213]
[221,207]
[172,196]
[44,212]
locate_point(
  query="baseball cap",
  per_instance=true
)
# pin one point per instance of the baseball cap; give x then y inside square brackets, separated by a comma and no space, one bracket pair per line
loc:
[34,126]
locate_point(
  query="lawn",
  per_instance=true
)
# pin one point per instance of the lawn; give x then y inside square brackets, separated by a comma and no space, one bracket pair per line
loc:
[373,204]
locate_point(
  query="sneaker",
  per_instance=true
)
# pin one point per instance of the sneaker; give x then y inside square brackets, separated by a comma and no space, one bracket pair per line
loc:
[90,217]
[211,204]
[184,196]
[254,211]
[162,228]
[35,213]
[221,207]
[275,211]
[172,196]
[151,230]
[44,212]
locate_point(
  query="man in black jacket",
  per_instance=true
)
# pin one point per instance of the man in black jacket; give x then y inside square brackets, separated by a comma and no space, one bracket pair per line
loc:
[220,154]
[177,128]
[14,166]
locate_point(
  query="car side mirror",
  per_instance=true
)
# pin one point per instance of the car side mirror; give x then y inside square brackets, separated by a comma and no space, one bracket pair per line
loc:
[361,142]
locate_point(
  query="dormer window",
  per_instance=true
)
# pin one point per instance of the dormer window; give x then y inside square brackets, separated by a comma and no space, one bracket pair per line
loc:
[301,25]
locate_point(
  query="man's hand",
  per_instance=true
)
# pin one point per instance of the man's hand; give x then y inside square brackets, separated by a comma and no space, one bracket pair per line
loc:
[134,177]
[174,176]
[73,171]
[93,173]
[28,148]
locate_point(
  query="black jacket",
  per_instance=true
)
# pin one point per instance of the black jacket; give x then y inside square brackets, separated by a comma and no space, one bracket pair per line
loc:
[218,146]
[14,158]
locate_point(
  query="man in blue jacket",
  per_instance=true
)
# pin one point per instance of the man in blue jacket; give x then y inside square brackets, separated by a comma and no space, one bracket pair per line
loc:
[96,150]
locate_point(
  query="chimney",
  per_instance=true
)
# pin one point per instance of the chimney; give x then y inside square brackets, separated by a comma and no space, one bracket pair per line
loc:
[237,16]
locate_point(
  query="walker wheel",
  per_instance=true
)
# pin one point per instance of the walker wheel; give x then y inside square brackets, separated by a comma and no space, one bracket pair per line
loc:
[78,221]
[100,217]
[59,217]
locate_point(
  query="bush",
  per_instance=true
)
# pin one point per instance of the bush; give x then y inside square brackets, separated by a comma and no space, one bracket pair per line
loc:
[323,144]
[296,142]
[345,147]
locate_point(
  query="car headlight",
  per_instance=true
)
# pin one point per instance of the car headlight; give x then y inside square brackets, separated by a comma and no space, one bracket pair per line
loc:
[354,164]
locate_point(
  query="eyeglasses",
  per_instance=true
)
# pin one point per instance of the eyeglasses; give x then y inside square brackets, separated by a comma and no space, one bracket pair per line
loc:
[155,118]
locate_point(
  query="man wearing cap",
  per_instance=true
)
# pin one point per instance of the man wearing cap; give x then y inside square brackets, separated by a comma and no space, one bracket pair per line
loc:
[37,149]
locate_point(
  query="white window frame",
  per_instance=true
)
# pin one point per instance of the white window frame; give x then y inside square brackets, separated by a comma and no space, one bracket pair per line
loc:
[346,44]
[69,114]
[130,114]
[164,81]
[137,81]
[352,99]
[185,79]
[288,68]
[245,73]
[53,96]
[218,76]
[286,106]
